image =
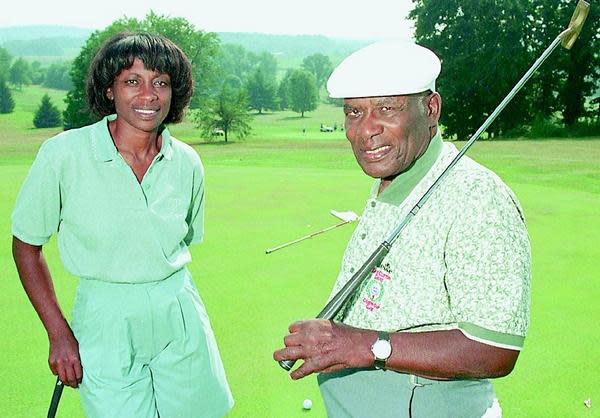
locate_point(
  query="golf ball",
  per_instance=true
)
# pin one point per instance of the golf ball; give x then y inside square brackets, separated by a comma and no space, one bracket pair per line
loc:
[307,404]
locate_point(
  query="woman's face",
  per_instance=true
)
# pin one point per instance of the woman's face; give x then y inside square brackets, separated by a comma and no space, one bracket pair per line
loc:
[142,97]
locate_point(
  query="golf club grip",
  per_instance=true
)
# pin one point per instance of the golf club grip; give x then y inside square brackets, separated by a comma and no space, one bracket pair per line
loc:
[340,298]
[58,389]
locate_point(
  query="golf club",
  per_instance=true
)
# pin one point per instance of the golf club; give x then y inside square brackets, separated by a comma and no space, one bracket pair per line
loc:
[346,217]
[567,38]
[58,389]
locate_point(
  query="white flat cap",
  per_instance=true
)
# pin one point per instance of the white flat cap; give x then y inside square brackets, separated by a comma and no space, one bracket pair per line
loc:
[386,68]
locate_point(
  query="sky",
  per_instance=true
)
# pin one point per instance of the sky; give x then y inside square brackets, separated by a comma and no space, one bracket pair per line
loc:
[349,19]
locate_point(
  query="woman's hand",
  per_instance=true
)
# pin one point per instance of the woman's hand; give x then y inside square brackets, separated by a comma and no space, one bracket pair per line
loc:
[64,360]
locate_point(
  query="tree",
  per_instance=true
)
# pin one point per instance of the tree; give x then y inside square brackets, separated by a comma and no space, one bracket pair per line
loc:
[481,44]
[567,77]
[267,63]
[226,113]
[233,59]
[487,45]
[303,92]
[57,76]
[583,66]
[5,60]
[38,73]
[320,66]
[199,46]
[261,91]
[283,91]
[47,115]
[7,103]
[20,73]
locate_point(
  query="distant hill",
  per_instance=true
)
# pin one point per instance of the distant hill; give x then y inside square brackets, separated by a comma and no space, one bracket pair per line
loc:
[33,32]
[45,43]
[52,43]
[292,46]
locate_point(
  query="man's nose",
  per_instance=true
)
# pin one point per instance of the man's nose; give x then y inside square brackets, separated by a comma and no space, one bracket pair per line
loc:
[371,126]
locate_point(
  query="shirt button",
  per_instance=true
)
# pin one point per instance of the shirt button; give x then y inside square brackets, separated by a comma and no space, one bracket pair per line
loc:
[373,204]
[351,269]
[363,236]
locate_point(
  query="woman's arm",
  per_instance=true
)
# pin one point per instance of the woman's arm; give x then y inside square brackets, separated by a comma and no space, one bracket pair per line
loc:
[34,274]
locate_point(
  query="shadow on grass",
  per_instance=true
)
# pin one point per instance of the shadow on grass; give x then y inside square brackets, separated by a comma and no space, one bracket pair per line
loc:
[295,118]
[210,142]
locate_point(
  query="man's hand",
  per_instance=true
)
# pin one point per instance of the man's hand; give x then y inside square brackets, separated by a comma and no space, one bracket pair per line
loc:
[326,346]
[64,359]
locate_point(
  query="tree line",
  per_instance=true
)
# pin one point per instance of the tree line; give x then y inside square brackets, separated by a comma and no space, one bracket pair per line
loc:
[487,45]
[230,81]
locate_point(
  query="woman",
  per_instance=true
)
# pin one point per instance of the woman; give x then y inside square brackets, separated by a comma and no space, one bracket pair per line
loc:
[126,200]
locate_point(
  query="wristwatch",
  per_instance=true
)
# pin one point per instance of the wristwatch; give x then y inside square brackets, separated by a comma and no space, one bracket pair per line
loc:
[381,349]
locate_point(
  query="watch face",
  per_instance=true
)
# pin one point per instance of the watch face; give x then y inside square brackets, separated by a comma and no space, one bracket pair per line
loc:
[382,349]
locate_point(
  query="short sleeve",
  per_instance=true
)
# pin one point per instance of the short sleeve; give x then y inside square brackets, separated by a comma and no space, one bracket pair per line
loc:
[36,215]
[195,217]
[488,267]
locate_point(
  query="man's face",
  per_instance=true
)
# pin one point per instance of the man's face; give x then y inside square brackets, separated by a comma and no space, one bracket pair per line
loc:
[389,133]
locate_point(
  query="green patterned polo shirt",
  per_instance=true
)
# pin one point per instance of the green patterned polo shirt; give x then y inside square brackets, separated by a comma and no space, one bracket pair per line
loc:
[462,263]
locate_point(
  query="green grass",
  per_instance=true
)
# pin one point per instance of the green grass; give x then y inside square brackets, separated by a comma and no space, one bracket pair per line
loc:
[280,184]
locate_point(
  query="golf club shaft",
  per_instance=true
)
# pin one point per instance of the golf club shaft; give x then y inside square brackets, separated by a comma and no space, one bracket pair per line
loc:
[396,232]
[374,260]
[58,389]
[336,303]
[287,244]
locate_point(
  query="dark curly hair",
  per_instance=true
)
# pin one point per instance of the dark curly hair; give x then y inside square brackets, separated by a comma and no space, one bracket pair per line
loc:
[156,52]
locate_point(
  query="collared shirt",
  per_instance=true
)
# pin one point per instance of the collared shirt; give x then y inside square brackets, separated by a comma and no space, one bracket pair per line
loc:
[110,226]
[463,262]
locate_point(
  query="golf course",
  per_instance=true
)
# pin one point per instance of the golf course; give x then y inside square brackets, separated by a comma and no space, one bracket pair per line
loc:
[279,184]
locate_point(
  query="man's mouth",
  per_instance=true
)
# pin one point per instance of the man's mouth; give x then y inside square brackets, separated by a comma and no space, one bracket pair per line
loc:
[377,153]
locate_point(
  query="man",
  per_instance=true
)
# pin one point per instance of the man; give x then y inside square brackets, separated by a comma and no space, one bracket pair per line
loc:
[448,308]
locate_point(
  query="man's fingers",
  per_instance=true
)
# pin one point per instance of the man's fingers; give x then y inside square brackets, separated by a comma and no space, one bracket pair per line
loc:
[289,353]
[292,339]
[295,326]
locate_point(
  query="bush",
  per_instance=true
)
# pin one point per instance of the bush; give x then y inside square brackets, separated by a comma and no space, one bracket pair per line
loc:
[47,115]
[545,128]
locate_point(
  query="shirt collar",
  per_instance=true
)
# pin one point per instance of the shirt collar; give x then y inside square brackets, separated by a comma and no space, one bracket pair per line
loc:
[404,183]
[104,148]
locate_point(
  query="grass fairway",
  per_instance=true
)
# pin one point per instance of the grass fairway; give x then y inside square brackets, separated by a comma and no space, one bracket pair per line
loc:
[281,184]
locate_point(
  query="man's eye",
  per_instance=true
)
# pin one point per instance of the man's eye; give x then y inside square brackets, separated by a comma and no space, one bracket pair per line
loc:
[386,108]
[131,82]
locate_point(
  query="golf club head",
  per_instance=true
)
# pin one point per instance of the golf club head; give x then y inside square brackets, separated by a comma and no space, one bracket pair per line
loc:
[577,20]
[347,216]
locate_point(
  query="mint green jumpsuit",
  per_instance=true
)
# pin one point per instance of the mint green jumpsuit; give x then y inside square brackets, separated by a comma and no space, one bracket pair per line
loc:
[145,341]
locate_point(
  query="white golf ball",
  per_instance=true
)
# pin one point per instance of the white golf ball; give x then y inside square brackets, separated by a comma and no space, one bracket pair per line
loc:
[307,404]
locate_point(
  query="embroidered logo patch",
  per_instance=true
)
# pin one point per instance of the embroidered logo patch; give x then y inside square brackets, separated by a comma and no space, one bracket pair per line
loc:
[376,288]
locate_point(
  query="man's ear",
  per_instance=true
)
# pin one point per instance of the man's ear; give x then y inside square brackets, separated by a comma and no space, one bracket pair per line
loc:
[433,107]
